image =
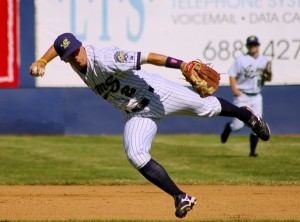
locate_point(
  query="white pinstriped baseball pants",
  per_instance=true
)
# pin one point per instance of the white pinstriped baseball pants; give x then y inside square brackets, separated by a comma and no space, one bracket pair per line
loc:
[171,99]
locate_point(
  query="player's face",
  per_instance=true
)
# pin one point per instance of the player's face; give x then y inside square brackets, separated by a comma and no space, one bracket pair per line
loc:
[253,49]
[77,59]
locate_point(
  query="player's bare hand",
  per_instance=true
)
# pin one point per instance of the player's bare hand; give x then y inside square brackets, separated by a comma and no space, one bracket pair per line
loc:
[37,69]
[237,92]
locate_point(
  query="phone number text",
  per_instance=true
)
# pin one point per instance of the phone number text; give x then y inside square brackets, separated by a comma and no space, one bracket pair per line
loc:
[281,49]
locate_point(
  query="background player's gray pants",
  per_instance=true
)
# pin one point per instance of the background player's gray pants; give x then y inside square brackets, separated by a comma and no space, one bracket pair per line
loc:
[254,102]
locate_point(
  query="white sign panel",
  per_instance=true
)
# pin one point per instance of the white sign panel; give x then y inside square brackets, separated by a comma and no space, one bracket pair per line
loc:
[213,31]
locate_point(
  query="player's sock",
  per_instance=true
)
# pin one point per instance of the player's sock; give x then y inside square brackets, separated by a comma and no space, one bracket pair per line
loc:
[230,110]
[253,143]
[156,174]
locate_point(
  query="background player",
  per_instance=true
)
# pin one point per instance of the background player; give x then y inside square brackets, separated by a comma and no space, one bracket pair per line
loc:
[247,76]
[144,98]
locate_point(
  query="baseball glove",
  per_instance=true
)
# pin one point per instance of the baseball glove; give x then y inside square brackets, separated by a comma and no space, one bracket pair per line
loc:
[204,79]
[267,72]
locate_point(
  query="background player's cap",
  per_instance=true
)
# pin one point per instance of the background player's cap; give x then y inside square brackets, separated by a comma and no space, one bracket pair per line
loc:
[252,40]
[66,44]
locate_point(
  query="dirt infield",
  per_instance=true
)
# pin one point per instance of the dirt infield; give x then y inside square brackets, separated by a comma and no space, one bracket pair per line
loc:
[146,202]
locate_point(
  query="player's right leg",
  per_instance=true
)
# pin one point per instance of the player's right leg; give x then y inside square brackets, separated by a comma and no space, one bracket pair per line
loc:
[183,204]
[236,124]
[139,133]
[226,132]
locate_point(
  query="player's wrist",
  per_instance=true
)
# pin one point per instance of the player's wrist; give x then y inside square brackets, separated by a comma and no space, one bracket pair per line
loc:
[173,63]
[43,60]
[182,65]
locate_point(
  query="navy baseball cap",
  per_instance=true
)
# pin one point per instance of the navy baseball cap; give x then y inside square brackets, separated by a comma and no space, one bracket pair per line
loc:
[65,44]
[252,40]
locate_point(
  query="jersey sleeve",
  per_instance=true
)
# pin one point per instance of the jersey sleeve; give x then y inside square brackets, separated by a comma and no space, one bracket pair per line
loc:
[122,60]
[234,69]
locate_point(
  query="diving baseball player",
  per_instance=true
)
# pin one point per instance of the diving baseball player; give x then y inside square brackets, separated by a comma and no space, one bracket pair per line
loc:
[144,98]
[247,76]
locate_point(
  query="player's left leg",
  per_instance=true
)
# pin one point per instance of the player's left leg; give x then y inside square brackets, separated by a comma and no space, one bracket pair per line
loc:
[253,145]
[190,103]
[139,133]
[256,105]
[246,115]
[187,102]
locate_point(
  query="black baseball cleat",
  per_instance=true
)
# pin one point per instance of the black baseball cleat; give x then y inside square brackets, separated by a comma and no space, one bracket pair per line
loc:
[253,155]
[225,133]
[183,204]
[258,126]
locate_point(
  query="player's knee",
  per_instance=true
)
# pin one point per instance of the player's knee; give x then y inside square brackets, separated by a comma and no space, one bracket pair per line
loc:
[138,160]
[237,125]
[212,107]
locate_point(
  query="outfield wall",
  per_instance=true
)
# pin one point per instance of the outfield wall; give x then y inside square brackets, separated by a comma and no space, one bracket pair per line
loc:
[80,111]
[77,110]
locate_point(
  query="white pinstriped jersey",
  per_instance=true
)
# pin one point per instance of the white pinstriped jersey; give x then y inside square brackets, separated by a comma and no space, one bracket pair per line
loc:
[114,75]
[248,72]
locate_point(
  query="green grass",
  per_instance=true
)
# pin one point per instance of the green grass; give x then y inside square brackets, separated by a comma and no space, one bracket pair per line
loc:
[189,159]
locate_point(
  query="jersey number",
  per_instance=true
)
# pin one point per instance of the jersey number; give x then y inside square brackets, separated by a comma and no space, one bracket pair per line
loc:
[113,85]
[128,91]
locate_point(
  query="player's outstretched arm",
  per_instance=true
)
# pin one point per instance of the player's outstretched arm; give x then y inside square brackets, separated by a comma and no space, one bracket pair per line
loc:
[202,77]
[37,68]
[161,60]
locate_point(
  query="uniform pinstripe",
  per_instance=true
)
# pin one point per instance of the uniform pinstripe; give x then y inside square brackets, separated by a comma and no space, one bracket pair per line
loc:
[109,76]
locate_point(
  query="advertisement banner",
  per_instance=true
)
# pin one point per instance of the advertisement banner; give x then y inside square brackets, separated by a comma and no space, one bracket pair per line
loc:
[213,31]
[9,72]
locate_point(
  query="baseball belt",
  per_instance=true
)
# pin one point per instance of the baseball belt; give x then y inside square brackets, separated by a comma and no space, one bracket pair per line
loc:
[250,94]
[143,103]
